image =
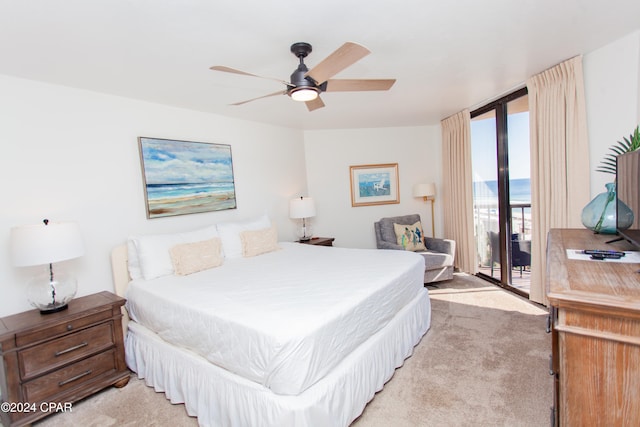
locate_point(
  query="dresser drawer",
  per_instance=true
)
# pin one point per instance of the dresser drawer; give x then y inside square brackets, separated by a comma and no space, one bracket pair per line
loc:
[47,332]
[73,376]
[53,354]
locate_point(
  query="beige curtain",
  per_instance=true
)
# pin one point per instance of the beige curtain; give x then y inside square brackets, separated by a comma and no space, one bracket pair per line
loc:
[559,159]
[457,188]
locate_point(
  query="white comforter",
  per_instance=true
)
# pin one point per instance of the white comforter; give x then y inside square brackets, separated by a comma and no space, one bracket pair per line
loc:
[282,319]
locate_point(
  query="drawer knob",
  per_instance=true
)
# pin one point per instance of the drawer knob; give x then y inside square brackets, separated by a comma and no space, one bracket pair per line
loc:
[69,327]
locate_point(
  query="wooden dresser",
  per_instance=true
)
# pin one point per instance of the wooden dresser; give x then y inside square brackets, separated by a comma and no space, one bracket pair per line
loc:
[595,322]
[50,361]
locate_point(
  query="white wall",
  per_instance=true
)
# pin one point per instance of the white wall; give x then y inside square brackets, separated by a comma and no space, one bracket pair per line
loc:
[612,85]
[612,91]
[417,150]
[72,155]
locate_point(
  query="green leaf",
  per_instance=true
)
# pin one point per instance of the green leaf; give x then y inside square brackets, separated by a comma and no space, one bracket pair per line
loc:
[608,164]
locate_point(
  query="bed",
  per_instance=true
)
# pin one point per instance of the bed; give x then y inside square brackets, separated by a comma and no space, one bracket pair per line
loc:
[290,335]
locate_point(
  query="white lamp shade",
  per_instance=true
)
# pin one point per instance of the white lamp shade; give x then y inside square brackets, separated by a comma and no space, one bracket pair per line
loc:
[45,244]
[424,190]
[302,207]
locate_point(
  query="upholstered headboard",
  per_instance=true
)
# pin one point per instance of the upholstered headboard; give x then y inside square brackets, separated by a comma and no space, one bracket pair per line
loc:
[121,278]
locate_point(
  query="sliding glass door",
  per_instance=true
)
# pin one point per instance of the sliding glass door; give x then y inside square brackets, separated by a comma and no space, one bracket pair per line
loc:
[502,191]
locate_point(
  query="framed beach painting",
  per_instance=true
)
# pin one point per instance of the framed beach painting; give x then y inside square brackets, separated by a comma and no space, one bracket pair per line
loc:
[184,177]
[374,184]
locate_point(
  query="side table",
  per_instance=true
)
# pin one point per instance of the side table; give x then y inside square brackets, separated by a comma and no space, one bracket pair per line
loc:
[319,241]
[49,361]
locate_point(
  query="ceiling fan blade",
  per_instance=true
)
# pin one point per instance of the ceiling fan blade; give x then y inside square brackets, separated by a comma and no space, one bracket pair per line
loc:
[352,85]
[346,55]
[244,73]
[280,92]
[314,104]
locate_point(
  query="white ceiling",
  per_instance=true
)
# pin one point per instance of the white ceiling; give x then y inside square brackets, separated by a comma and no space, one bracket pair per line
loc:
[445,55]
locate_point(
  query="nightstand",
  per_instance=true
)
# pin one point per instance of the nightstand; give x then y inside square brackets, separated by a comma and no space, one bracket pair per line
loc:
[319,241]
[60,357]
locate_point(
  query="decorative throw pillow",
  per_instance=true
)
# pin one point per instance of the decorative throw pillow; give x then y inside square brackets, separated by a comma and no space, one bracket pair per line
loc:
[410,237]
[152,250]
[192,257]
[229,233]
[257,242]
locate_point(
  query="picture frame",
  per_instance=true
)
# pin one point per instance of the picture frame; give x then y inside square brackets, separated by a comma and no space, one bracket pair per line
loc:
[186,177]
[374,184]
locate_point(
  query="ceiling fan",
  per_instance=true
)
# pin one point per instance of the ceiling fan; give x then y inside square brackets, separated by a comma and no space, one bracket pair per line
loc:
[306,85]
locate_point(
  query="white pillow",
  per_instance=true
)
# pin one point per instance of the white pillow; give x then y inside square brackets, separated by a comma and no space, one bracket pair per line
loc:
[133,263]
[230,234]
[153,250]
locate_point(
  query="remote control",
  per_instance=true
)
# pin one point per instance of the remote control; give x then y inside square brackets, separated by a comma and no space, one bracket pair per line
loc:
[606,254]
[603,256]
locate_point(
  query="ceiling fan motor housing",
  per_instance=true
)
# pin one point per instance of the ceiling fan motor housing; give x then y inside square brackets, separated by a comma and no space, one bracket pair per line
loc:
[298,79]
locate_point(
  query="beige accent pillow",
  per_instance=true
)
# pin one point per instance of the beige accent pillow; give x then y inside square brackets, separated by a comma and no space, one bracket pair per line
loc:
[257,242]
[410,237]
[192,257]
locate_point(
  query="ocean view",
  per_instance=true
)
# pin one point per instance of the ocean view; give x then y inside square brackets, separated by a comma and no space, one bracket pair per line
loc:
[486,206]
[486,192]
[187,190]
[174,199]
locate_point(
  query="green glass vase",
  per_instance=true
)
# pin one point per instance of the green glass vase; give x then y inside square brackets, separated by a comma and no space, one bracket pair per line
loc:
[600,214]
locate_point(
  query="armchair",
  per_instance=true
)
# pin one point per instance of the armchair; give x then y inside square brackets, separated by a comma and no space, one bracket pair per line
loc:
[438,257]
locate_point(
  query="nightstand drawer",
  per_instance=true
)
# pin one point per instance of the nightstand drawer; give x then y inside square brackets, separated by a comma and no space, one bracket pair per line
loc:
[69,377]
[35,335]
[53,354]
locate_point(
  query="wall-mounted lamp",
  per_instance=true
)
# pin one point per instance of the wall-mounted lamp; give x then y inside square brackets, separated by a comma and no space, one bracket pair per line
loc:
[427,192]
[44,244]
[303,208]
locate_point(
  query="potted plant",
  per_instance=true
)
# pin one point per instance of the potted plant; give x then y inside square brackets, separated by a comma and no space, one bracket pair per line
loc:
[600,215]
[608,164]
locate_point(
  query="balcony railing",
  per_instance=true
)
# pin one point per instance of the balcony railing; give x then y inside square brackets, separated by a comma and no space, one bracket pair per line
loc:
[486,219]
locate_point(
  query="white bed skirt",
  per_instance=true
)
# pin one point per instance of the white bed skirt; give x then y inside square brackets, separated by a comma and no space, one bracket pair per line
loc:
[220,398]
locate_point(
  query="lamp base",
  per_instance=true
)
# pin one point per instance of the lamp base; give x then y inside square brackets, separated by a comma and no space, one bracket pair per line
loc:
[53,309]
[49,293]
[304,232]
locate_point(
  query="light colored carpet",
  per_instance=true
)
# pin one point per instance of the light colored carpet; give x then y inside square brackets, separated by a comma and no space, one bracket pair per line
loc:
[484,362]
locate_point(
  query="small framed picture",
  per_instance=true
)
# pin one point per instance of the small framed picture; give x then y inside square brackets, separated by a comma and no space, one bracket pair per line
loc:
[374,184]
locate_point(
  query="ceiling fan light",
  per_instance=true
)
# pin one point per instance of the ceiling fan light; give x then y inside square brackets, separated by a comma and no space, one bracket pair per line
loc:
[304,94]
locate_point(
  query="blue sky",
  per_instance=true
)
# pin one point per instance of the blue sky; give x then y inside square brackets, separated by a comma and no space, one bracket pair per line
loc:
[170,162]
[483,148]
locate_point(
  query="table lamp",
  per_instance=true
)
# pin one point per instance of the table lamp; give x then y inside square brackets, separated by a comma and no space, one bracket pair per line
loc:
[427,192]
[45,244]
[303,208]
